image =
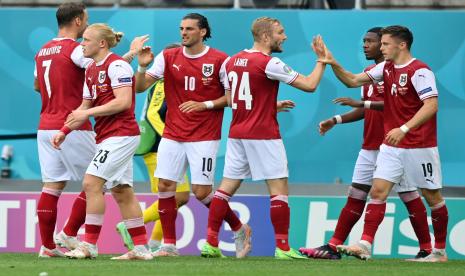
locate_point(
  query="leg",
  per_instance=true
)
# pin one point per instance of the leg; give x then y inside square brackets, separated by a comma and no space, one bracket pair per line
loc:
[168,210]
[67,238]
[95,208]
[418,219]
[279,211]
[439,215]
[47,211]
[131,213]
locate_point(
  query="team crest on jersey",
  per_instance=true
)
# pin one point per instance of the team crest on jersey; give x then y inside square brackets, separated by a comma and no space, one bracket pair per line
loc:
[207,69]
[102,75]
[403,79]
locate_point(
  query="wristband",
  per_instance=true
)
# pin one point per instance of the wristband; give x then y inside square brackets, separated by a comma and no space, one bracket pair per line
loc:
[66,130]
[141,69]
[404,129]
[338,119]
[367,104]
[209,104]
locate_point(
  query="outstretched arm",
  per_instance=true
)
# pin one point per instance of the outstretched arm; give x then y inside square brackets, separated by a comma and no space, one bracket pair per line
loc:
[375,105]
[310,83]
[354,115]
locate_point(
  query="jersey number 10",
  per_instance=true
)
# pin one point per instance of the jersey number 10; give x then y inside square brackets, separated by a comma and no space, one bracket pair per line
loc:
[244,89]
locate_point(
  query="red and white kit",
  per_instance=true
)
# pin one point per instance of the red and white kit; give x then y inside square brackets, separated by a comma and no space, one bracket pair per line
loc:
[254,147]
[59,70]
[117,134]
[190,138]
[414,162]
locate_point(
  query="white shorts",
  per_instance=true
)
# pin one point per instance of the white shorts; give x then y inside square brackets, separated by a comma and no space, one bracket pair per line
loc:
[365,169]
[409,168]
[173,158]
[112,160]
[69,163]
[256,159]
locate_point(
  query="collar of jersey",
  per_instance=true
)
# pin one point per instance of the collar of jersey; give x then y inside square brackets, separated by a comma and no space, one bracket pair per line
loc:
[254,51]
[103,60]
[62,38]
[197,55]
[398,66]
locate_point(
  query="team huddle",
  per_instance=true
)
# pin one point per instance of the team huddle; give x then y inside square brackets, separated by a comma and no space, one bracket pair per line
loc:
[189,87]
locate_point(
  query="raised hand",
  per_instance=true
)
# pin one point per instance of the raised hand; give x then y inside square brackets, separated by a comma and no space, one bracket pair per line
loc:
[145,56]
[348,101]
[318,46]
[325,126]
[138,43]
[285,105]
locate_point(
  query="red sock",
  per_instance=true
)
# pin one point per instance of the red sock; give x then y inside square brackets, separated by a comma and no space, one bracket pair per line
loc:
[419,221]
[138,235]
[440,219]
[349,216]
[280,217]
[168,212]
[92,233]
[47,215]
[217,212]
[374,215]
[231,217]
[77,217]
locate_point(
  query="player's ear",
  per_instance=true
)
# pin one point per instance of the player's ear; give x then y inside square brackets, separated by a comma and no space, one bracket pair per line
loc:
[78,21]
[203,32]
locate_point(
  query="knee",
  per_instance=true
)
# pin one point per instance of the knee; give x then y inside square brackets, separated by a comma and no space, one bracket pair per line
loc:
[202,192]
[122,194]
[182,198]
[166,185]
[90,187]
[433,197]
[378,193]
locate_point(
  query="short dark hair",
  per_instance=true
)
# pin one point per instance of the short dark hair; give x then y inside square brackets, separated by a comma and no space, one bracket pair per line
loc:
[399,32]
[68,11]
[202,22]
[376,30]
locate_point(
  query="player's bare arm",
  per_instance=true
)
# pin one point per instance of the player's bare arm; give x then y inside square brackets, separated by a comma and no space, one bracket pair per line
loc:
[136,46]
[310,83]
[121,102]
[429,108]
[375,105]
[193,106]
[36,85]
[143,80]
[354,115]
[285,105]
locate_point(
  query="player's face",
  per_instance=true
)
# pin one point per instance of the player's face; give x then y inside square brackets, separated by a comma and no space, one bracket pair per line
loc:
[371,46]
[191,34]
[90,43]
[277,38]
[390,47]
[84,24]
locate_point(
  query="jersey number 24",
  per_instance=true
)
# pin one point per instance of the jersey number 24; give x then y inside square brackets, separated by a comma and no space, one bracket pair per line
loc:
[243,91]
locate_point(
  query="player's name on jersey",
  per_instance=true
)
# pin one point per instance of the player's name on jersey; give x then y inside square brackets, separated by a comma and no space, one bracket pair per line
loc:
[50,51]
[242,62]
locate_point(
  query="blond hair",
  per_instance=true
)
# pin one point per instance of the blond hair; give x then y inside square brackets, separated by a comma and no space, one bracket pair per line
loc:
[263,25]
[106,33]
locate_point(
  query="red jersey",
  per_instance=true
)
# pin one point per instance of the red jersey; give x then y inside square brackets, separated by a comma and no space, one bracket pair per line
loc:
[373,131]
[191,78]
[254,80]
[59,71]
[101,78]
[406,86]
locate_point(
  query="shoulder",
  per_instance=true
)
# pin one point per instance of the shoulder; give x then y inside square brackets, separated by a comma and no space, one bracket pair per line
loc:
[418,64]
[217,54]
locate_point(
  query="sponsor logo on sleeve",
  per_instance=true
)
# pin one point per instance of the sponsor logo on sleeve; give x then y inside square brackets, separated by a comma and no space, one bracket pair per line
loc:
[287,69]
[125,80]
[424,91]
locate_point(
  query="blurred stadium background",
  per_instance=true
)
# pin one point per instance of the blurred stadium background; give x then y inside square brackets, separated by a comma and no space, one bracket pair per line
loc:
[319,166]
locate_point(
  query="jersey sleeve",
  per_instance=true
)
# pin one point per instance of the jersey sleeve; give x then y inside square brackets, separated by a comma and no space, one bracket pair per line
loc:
[77,56]
[276,69]
[376,73]
[425,83]
[120,74]
[158,67]
[86,95]
[224,74]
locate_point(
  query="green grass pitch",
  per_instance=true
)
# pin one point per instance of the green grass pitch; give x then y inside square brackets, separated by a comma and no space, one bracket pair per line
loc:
[13,264]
